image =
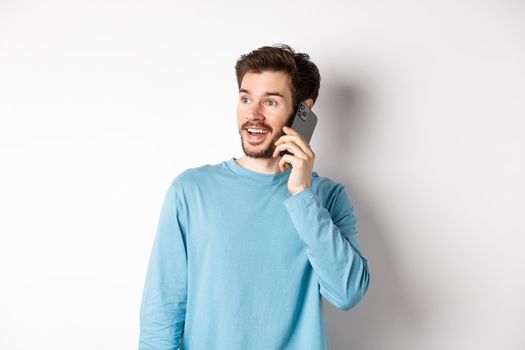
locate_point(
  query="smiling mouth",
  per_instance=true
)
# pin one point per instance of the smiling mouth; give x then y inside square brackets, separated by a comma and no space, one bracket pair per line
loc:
[256,134]
[256,131]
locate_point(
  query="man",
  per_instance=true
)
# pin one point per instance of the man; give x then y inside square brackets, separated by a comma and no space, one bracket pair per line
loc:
[246,248]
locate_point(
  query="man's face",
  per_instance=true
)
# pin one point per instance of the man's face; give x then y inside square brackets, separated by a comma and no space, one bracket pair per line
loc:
[265,104]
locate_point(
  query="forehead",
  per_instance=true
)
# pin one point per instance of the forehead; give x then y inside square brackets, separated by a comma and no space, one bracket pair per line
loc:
[267,81]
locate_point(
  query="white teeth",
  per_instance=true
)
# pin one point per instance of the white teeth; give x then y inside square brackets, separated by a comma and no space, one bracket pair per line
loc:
[257,131]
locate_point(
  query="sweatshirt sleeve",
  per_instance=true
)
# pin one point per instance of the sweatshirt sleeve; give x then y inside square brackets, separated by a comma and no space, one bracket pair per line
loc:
[332,245]
[163,308]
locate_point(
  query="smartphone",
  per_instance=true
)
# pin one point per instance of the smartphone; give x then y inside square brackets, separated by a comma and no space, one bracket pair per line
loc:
[303,121]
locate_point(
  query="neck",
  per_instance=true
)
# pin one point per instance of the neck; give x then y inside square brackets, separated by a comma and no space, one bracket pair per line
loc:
[260,165]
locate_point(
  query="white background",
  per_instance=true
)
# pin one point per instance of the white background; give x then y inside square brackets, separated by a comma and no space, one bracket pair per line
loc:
[421,115]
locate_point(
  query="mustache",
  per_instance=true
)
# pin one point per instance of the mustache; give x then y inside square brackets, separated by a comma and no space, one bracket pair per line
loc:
[250,125]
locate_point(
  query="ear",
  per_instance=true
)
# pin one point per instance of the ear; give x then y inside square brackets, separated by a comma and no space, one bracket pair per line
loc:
[309,103]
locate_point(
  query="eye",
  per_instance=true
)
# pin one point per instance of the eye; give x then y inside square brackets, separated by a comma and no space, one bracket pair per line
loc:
[244,99]
[271,103]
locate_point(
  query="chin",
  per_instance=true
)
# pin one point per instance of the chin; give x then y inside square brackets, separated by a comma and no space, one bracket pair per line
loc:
[259,151]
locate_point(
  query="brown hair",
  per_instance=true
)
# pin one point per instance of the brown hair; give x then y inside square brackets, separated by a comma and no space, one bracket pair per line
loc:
[306,79]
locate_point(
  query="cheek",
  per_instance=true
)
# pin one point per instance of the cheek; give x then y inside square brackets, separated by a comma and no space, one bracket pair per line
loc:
[241,115]
[281,117]
[277,113]
[242,111]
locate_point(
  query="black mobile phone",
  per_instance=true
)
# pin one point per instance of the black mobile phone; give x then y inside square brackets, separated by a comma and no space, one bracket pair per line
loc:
[303,121]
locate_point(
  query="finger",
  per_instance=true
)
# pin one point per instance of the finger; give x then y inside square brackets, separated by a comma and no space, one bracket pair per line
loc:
[297,163]
[290,131]
[297,139]
[286,159]
[293,148]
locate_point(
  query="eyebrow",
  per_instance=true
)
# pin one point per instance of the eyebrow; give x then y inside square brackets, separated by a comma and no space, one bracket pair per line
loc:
[269,93]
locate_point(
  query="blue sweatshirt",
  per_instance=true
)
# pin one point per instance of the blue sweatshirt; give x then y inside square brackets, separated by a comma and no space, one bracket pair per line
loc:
[238,263]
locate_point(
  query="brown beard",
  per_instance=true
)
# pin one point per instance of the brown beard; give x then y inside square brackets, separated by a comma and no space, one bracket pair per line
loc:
[268,151]
[263,153]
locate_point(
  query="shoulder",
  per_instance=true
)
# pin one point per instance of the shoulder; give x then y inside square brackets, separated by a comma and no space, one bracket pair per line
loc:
[329,191]
[325,185]
[189,185]
[197,175]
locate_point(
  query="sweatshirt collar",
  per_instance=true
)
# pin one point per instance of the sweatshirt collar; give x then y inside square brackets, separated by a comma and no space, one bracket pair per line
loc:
[269,178]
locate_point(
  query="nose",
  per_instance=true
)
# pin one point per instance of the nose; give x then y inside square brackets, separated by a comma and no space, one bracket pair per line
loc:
[255,112]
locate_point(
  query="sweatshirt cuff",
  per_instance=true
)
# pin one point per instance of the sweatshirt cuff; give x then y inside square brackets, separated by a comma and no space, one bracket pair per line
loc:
[302,199]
